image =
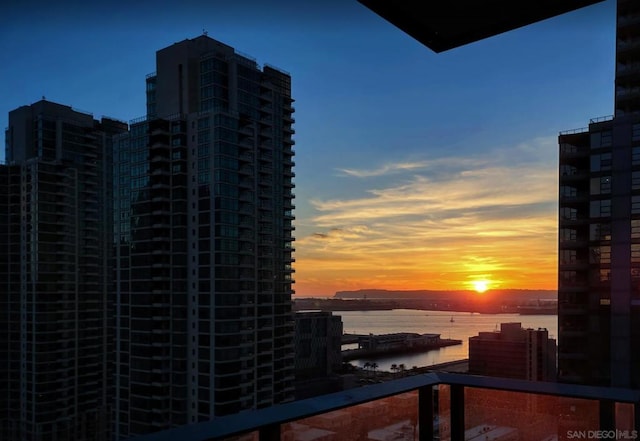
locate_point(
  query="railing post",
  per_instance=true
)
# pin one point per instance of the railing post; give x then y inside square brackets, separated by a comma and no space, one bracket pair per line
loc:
[269,433]
[425,413]
[607,415]
[457,412]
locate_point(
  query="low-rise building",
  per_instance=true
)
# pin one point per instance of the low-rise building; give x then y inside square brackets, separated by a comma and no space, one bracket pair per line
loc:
[514,352]
[318,359]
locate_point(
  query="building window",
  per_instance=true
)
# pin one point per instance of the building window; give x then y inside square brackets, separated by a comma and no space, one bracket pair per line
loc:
[568,256]
[567,213]
[635,253]
[601,139]
[568,278]
[635,229]
[600,232]
[635,155]
[601,162]
[567,191]
[600,255]
[635,180]
[568,234]
[601,185]
[635,204]
[602,208]
[602,276]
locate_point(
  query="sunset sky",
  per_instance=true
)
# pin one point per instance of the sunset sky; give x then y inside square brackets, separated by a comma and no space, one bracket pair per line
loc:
[414,170]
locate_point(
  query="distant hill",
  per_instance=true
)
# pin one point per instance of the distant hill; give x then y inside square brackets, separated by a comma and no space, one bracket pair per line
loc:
[520,295]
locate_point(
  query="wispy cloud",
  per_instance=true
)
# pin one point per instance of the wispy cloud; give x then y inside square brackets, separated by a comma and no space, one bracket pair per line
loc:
[414,166]
[485,217]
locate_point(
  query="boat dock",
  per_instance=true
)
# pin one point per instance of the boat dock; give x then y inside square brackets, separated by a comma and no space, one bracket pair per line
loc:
[349,339]
[388,344]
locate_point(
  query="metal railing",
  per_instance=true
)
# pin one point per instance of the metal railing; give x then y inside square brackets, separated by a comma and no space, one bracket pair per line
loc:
[444,402]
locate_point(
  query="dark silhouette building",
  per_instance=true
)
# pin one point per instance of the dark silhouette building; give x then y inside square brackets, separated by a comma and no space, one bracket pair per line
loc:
[513,352]
[318,353]
[203,241]
[599,236]
[55,246]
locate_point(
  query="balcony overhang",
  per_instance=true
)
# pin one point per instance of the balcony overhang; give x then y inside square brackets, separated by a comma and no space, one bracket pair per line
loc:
[444,25]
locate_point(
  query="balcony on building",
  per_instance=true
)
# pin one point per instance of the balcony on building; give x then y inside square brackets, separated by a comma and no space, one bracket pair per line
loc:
[433,406]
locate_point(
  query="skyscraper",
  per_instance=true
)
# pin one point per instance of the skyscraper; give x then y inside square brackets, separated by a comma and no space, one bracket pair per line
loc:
[203,241]
[55,278]
[599,236]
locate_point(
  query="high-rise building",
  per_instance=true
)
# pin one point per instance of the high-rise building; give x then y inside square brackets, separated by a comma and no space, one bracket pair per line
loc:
[513,352]
[203,241]
[55,225]
[599,231]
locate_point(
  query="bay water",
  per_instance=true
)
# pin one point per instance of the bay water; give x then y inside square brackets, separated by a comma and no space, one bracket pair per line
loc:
[450,325]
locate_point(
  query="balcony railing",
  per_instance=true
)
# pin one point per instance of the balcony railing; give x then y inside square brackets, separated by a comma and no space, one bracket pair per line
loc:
[434,406]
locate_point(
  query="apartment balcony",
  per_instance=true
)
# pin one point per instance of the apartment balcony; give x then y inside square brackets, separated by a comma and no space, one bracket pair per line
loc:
[575,220]
[434,406]
[573,243]
[574,198]
[629,45]
[574,175]
[575,264]
[624,70]
[288,118]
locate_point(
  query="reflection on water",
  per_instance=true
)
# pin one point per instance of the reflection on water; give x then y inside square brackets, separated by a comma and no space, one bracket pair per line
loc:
[456,325]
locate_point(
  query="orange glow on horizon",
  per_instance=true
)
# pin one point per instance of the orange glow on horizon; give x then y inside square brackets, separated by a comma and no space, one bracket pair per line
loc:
[427,230]
[326,283]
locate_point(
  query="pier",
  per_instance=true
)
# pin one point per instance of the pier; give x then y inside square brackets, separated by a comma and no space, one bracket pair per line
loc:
[388,344]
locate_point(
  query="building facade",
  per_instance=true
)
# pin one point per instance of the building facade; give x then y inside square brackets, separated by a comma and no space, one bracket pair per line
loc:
[513,352]
[599,231]
[318,349]
[55,244]
[318,343]
[203,241]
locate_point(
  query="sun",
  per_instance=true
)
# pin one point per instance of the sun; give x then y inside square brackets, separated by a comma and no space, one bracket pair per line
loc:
[480,285]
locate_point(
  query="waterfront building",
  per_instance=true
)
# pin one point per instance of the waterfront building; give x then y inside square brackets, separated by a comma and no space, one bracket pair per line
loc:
[203,241]
[513,352]
[318,353]
[599,231]
[55,226]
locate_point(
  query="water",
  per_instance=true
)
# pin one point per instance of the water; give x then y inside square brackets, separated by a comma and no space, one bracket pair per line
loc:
[463,326]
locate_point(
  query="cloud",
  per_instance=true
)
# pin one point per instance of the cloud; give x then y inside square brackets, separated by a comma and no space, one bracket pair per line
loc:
[418,165]
[451,220]
[335,235]
[467,191]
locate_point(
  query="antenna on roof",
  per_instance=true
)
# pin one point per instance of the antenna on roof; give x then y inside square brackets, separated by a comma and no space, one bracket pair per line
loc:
[204,32]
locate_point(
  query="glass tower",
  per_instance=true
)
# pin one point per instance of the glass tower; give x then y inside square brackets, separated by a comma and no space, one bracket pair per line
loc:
[599,231]
[55,229]
[203,241]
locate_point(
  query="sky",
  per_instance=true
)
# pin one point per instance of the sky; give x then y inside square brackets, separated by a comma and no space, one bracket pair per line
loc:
[414,170]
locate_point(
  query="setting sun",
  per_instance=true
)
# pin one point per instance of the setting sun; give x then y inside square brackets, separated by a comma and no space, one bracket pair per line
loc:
[480,285]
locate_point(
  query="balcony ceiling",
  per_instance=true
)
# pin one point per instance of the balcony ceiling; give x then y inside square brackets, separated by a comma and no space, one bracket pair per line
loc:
[444,25]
